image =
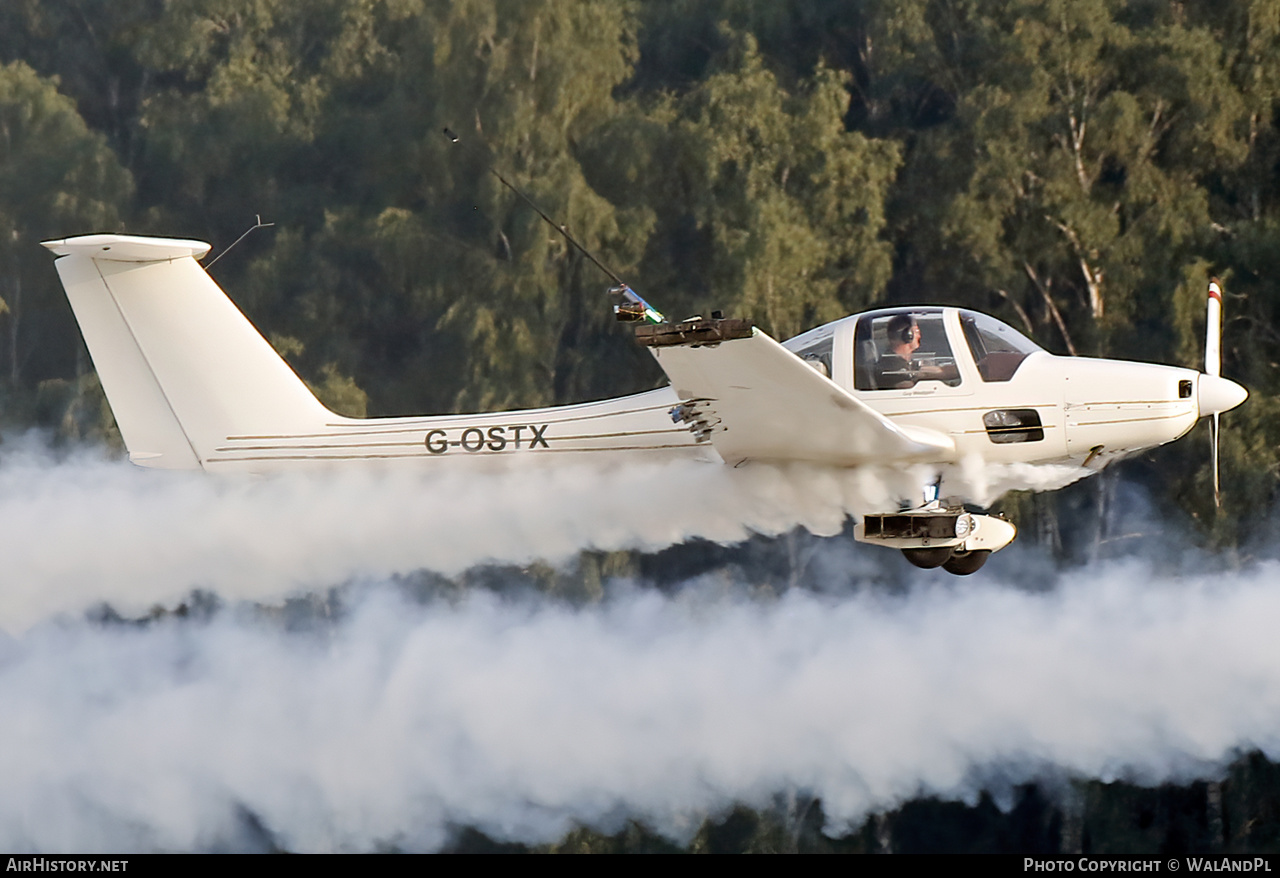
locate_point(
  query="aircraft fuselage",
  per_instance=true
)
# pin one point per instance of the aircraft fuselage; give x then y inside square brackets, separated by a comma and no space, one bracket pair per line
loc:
[194,385]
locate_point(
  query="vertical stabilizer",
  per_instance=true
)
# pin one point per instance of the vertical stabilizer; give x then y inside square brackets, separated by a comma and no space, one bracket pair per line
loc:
[183,369]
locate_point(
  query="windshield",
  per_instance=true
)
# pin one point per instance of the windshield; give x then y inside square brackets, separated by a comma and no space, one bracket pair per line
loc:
[998,349]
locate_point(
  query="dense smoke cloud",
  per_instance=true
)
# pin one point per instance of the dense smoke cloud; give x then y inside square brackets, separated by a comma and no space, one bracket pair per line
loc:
[526,717]
[86,531]
[392,719]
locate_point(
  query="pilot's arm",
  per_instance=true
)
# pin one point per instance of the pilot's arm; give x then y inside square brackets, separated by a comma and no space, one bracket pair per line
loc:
[949,372]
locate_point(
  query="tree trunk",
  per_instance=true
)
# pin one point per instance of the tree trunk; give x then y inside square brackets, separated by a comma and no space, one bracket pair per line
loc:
[15,317]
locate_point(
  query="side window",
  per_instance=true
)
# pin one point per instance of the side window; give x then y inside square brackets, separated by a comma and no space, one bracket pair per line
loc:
[818,355]
[899,350]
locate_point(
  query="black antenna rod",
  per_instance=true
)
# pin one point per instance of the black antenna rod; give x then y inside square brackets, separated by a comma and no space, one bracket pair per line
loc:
[259,224]
[630,295]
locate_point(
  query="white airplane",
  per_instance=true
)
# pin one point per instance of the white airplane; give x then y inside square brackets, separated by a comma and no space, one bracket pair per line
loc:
[193,385]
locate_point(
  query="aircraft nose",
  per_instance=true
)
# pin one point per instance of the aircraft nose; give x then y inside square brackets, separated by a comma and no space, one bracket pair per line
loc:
[1216,394]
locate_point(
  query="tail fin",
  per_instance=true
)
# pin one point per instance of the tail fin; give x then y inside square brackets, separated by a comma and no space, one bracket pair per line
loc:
[181,366]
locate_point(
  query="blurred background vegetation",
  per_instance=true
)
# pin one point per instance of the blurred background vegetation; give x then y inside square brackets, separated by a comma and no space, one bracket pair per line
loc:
[1078,168]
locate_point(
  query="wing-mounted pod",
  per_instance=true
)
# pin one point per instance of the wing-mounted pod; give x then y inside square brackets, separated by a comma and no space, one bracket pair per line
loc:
[951,538]
[694,332]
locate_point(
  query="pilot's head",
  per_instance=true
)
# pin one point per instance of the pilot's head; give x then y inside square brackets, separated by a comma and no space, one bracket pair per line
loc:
[903,332]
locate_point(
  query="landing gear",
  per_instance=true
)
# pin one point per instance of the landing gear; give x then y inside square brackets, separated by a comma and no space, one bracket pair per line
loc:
[964,563]
[928,559]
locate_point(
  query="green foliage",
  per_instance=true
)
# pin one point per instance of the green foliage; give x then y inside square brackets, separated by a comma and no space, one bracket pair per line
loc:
[55,174]
[796,202]
[77,411]
[1072,167]
[634,839]
[764,204]
[340,393]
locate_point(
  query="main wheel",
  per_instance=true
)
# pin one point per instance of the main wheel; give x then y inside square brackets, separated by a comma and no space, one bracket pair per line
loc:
[964,563]
[929,558]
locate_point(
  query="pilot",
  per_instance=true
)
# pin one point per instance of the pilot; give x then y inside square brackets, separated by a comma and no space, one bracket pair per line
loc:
[898,368]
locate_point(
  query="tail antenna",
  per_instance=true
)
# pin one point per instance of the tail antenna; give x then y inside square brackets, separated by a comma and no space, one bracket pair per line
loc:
[258,224]
[633,308]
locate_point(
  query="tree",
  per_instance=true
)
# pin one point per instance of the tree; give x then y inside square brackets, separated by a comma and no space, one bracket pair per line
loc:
[57,178]
[90,49]
[449,292]
[764,204]
[1075,159]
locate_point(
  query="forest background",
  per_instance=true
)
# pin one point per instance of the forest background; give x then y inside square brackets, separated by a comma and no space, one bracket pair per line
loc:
[1078,168]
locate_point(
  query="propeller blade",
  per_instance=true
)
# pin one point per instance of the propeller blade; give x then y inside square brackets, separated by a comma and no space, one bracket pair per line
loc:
[1213,331]
[1213,447]
[1213,366]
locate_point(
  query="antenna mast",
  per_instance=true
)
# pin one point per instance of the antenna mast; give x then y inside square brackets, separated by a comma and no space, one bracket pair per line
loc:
[258,224]
[634,309]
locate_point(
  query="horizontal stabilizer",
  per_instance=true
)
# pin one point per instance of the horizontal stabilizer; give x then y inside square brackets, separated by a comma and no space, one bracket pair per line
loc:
[127,248]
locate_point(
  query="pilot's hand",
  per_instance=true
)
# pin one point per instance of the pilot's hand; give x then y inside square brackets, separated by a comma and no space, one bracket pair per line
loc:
[948,372]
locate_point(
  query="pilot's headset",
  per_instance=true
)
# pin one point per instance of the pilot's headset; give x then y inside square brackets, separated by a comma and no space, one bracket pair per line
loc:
[906,332]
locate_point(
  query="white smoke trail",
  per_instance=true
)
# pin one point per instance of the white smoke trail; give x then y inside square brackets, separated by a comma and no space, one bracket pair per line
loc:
[525,718]
[81,532]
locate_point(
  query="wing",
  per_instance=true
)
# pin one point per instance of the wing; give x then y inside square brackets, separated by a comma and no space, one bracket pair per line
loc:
[759,401]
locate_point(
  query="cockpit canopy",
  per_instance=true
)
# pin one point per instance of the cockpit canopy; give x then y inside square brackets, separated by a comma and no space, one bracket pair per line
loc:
[896,348]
